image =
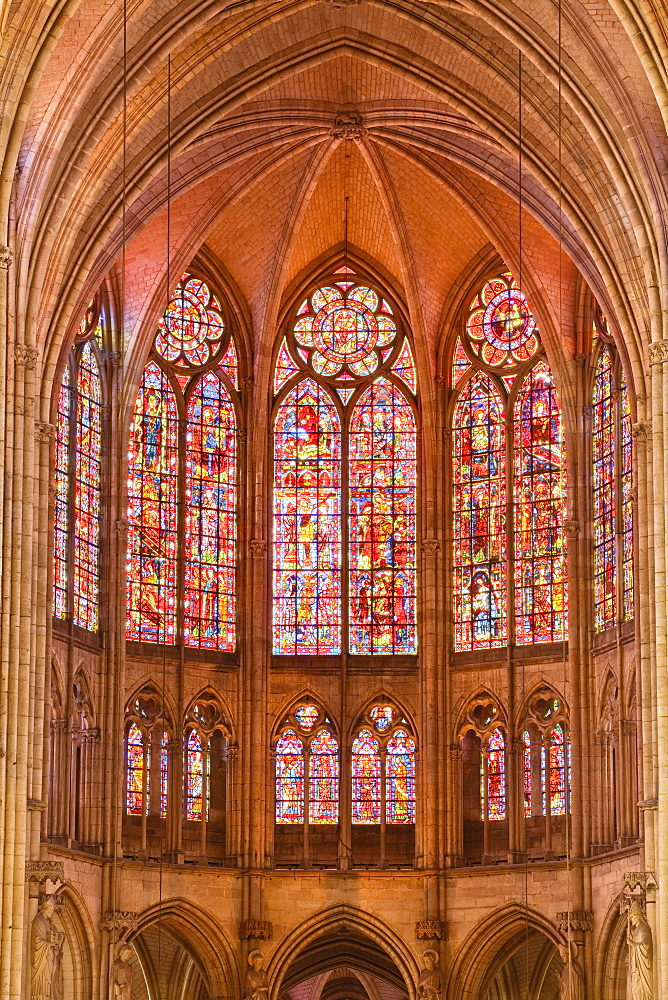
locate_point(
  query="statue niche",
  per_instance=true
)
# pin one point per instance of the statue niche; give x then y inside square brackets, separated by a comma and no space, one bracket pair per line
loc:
[639,941]
[46,943]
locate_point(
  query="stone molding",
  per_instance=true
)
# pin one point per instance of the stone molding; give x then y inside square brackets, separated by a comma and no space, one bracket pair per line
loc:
[25,357]
[658,352]
[431,546]
[249,383]
[258,548]
[642,431]
[571,528]
[604,738]
[575,920]
[256,930]
[629,727]
[116,359]
[347,126]
[121,530]
[6,258]
[43,871]
[648,805]
[456,753]
[431,930]
[337,4]
[36,805]
[123,921]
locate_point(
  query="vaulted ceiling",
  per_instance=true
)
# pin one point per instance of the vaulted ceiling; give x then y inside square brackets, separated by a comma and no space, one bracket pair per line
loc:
[259,168]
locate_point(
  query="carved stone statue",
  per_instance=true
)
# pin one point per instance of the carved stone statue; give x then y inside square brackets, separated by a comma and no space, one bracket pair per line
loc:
[256,987]
[639,940]
[46,954]
[571,985]
[123,973]
[430,983]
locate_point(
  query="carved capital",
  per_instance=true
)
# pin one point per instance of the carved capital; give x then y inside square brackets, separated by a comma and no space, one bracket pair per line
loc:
[575,920]
[88,735]
[431,930]
[431,546]
[258,548]
[25,357]
[242,434]
[44,871]
[629,727]
[233,752]
[124,922]
[642,431]
[256,930]
[36,805]
[347,126]
[116,359]
[59,725]
[571,528]
[44,433]
[6,258]
[658,352]
[121,530]
[455,753]
[249,382]
[648,805]
[603,738]
[580,359]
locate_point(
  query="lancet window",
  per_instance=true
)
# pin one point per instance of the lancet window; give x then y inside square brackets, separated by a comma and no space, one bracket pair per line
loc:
[182,479]
[612,486]
[307,768]
[509,478]
[345,475]
[383,769]
[546,758]
[78,473]
[146,756]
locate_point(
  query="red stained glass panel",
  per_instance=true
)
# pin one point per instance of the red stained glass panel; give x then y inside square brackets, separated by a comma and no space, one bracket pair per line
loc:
[62,500]
[496,776]
[479,476]
[137,769]
[324,779]
[152,511]
[86,561]
[628,608]
[366,799]
[400,778]
[210,517]
[307,523]
[197,768]
[604,494]
[382,489]
[541,613]
[289,778]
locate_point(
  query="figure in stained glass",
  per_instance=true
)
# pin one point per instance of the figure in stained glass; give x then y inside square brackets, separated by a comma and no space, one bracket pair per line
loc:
[289,778]
[366,778]
[382,522]
[540,470]
[210,493]
[479,517]
[197,777]
[628,601]
[323,778]
[137,770]
[62,500]
[604,494]
[152,511]
[527,773]
[307,475]
[496,775]
[88,459]
[400,779]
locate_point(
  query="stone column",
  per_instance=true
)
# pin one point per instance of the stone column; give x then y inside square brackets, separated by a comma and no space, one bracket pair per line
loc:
[431,818]
[455,842]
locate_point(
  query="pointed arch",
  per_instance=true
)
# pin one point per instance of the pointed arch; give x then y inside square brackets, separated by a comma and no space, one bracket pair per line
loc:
[479,502]
[541,598]
[210,516]
[383,496]
[307,522]
[152,511]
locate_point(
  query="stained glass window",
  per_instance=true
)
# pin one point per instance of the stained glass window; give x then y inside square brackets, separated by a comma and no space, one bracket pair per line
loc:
[400,781]
[197,774]
[527,772]
[501,337]
[480,580]
[540,491]
[307,522]
[345,334]
[604,494]
[496,776]
[164,772]
[137,769]
[382,522]
[628,609]
[307,716]
[289,778]
[366,797]
[187,465]
[323,779]
[88,458]
[210,609]
[62,505]
[152,511]
[557,771]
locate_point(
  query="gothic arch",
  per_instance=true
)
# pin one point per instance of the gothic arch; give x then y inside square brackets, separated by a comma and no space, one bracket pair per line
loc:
[223,720]
[352,927]
[307,694]
[610,969]
[465,713]
[83,701]
[166,711]
[201,937]
[80,958]
[474,963]
[382,695]
[546,689]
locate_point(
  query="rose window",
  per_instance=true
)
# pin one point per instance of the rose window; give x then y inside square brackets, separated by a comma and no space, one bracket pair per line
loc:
[501,327]
[190,329]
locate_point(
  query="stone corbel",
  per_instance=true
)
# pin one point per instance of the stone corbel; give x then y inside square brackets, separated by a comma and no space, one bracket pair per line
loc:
[258,548]
[347,126]
[256,930]
[642,431]
[575,920]
[658,352]
[25,357]
[645,881]
[6,258]
[44,433]
[431,930]
[337,4]
[431,547]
